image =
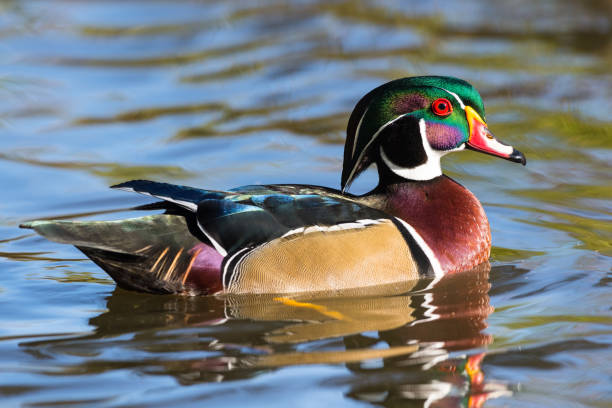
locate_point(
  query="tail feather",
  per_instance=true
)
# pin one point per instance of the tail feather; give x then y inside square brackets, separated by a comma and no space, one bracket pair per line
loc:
[133,272]
[151,254]
[128,236]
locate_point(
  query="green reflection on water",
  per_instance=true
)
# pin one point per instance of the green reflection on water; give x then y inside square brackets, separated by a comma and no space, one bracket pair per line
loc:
[566,126]
[562,193]
[175,59]
[592,234]
[327,128]
[70,276]
[113,172]
[500,254]
[535,321]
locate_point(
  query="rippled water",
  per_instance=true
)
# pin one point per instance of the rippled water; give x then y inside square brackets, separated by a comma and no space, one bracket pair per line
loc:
[220,94]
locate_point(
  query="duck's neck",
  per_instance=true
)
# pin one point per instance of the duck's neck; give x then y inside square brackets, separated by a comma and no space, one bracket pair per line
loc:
[448,217]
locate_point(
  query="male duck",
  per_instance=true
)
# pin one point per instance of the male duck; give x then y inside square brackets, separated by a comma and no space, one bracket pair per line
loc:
[293,238]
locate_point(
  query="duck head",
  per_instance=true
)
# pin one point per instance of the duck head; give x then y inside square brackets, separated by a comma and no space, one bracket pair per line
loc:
[405,126]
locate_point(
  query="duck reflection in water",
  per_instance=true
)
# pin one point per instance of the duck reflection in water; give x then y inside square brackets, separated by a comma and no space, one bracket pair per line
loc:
[402,343]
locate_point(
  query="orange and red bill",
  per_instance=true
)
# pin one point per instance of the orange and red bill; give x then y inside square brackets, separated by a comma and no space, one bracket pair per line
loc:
[482,140]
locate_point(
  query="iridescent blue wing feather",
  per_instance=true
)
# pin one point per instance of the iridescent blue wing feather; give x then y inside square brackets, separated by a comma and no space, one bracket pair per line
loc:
[184,196]
[251,215]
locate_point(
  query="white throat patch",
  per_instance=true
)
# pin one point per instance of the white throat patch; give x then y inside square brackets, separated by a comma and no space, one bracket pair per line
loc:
[426,171]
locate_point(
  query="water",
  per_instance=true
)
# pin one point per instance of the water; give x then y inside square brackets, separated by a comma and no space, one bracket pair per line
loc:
[220,94]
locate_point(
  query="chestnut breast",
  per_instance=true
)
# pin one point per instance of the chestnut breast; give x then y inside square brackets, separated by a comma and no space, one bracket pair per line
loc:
[448,216]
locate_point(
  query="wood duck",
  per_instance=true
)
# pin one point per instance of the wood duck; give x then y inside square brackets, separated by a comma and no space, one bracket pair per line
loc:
[417,223]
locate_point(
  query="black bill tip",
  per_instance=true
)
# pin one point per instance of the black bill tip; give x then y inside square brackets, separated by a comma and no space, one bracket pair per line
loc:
[517,157]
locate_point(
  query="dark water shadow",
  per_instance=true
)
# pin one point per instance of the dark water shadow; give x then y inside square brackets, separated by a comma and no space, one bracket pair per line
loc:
[417,342]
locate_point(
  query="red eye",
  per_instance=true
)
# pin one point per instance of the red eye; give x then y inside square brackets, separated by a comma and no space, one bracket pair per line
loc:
[442,107]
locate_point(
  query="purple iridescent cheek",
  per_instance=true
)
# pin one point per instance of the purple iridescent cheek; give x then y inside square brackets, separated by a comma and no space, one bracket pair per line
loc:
[443,137]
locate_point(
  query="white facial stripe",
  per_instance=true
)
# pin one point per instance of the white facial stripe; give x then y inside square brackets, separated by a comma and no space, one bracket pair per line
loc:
[350,177]
[435,264]
[456,97]
[357,132]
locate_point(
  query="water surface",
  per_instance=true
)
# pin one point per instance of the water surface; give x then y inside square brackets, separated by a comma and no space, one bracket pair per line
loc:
[221,94]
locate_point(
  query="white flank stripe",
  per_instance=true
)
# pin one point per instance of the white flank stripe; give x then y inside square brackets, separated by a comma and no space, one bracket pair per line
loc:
[435,264]
[370,222]
[337,227]
[227,264]
[312,228]
[293,231]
